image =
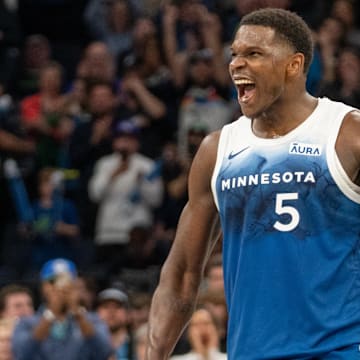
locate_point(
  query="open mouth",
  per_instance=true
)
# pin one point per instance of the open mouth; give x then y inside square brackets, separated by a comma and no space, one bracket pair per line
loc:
[246,89]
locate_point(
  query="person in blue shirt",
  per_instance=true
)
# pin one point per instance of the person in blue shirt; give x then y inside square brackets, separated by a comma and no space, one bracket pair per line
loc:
[61,328]
[284,179]
[55,227]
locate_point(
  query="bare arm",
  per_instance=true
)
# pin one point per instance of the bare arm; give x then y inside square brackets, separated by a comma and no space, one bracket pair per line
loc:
[10,142]
[150,103]
[176,295]
[348,145]
[176,60]
[211,31]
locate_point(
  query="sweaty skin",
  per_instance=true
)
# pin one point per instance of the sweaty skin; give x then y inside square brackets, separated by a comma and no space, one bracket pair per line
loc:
[277,104]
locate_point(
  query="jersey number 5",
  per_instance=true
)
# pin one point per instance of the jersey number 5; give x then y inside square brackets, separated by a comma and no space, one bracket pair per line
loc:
[282,209]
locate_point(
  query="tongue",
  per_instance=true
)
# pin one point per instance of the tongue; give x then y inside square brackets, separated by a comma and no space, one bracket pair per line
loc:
[248,92]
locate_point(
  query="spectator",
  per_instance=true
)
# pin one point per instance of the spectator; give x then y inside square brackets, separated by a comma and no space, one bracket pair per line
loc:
[56,231]
[111,23]
[97,64]
[139,309]
[61,329]
[144,249]
[329,39]
[348,12]
[112,308]
[147,92]
[127,191]
[200,70]
[204,339]
[174,175]
[76,101]
[36,54]
[205,31]
[90,141]
[42,115]
[10,38]
[214,301]
[346,84]
[16,301]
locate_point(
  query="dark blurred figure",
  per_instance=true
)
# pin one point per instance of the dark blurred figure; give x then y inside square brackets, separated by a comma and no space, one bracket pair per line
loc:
[145,249]
[36,53]
[347,11]
[10,42]
[346,83]
[90,141]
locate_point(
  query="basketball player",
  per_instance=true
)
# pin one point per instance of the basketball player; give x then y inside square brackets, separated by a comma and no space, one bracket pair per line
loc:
[284,179]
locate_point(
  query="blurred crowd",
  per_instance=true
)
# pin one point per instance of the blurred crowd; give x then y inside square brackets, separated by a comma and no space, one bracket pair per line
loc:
[103,104]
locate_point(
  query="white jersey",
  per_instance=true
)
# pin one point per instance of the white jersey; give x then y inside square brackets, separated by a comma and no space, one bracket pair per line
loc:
[291,222]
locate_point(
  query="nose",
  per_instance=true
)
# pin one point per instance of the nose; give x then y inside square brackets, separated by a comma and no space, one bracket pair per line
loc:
[237,61]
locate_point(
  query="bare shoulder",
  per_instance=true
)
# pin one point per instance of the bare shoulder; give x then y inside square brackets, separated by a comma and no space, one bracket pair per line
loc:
[351,127]
[348,144]
[352,118]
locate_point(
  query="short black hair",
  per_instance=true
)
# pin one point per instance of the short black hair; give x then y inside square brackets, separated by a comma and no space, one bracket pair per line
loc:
[287,25]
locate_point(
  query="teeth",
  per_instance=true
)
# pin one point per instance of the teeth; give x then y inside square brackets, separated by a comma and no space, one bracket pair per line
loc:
[243,82]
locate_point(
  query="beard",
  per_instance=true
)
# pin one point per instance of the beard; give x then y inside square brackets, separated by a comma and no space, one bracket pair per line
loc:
[116,327]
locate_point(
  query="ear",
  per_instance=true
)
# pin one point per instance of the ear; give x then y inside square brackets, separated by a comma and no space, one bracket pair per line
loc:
[295,65]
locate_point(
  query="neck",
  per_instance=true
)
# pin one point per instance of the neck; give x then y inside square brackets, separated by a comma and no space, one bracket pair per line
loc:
[119,337]
[283,117]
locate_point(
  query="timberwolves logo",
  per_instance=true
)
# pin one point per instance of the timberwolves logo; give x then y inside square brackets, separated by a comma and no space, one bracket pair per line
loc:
[297,148]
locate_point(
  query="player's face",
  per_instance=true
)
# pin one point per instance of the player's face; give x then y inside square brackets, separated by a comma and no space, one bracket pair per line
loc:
[258,68]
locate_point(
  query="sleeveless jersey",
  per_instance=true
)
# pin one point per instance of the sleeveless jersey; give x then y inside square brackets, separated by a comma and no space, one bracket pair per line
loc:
[291,223]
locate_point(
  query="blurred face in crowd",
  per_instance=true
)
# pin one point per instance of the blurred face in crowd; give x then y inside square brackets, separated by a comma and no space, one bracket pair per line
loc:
[37,51]
[101,100]
[332,29]
[125,144]
[203,324]
[98,62]
[119,16]
[18,305]
[114,314]
[50,80]
[201,72]
[349,68]
[344,10]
